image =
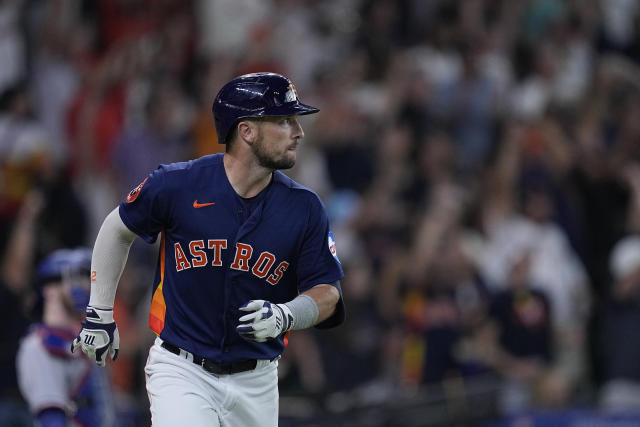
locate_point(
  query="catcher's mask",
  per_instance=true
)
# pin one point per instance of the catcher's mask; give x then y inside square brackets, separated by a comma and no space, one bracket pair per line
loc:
[72,268]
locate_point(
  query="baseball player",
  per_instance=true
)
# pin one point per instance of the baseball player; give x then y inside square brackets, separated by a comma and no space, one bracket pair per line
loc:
[62,388]
[246,255]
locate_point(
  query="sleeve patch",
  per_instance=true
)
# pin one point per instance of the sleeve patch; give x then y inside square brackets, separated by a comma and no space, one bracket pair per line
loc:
[332,246]
[133,194]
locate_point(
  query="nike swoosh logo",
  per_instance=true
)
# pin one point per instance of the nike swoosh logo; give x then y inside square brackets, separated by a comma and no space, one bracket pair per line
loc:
[202,205]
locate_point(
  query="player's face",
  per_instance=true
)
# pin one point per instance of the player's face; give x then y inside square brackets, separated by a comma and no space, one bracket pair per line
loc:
[277,142]
[60,293]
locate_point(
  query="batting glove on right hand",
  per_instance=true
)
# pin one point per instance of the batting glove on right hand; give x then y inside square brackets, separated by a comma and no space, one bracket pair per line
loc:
[265,320]
[99,333]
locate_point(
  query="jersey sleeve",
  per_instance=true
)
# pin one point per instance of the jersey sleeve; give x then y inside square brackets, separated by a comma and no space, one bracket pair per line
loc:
[318,259]
[145,210]
[339,315]
[41,377]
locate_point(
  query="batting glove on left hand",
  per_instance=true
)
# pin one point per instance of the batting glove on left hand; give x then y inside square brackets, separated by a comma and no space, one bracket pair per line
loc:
[265,320]
[99,333]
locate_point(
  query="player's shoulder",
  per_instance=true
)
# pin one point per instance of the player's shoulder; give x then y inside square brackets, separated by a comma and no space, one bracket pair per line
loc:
[177,175]
[30,351]
[294,195]
[286,184]
[31,341]
[48,340]
[178,168]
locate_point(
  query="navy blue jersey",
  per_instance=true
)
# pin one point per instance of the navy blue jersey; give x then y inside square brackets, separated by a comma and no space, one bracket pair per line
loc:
[218,251]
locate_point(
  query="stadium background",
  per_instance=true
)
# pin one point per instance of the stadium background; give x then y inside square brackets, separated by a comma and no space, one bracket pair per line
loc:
[479,160]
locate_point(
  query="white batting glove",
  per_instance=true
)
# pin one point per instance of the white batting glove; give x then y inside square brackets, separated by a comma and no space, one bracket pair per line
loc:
[265,320]
[99,333]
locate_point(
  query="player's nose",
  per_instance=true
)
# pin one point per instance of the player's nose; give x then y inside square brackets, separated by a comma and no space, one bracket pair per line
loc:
[297,131]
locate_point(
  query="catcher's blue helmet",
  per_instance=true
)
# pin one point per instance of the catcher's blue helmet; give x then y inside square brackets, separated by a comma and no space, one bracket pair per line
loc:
[72,267]
[255,95]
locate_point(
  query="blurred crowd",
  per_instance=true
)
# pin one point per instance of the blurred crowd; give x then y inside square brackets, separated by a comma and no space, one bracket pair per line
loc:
[479,160]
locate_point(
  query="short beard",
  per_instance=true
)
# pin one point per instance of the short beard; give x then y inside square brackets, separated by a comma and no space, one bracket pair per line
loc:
[267,161]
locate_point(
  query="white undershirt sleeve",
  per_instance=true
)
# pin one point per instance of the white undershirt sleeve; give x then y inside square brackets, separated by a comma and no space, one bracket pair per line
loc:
[304,311]
[110,254]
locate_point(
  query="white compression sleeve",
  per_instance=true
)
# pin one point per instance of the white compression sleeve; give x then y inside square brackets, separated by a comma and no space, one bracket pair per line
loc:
[110,254]
[304,311]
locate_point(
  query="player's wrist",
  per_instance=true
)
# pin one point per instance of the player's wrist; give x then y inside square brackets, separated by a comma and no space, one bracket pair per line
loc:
[288,320]
[100,307]
[99,315]
[304,312]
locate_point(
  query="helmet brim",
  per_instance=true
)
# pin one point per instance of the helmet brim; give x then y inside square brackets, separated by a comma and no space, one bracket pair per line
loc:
[292,109]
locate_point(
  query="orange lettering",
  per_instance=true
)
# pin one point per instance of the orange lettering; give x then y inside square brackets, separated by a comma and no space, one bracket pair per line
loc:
[199,256]
[181,260]
[278,273]
[263,264]
[243,253]
[217,246]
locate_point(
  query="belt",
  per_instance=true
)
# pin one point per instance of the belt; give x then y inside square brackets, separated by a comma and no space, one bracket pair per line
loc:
[212,367]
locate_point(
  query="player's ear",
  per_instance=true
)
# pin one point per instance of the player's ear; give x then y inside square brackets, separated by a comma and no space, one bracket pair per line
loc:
[248,131]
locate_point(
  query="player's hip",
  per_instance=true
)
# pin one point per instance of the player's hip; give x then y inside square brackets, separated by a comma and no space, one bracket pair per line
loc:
[173,378]
[163,354]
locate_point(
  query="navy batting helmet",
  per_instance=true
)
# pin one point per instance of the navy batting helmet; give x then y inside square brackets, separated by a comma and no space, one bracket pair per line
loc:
[255,95]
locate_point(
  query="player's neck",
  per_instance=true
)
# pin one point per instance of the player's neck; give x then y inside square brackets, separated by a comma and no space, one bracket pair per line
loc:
[246,177]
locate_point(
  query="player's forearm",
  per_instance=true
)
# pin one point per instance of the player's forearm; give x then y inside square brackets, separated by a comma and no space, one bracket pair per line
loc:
[326,297]
[109,257]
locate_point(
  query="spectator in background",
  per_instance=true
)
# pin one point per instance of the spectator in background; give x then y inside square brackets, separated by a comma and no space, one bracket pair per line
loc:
[522,340]
[16,301]
[25,152]
[159,137]
[27,162]
[467,106]
[518,214]
[617,25]
[353,357]
[62,44]
[226,25]
[13,52]
[621,342]
[437,292]
[529,96]
[208,78]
